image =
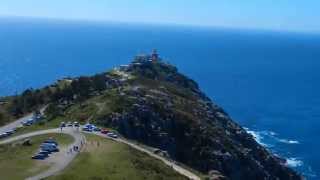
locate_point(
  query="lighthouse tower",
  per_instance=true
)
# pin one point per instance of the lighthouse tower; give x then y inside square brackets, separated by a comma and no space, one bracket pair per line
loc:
[154,56]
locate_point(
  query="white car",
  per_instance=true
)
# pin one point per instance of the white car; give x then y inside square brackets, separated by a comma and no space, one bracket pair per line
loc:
[112,135]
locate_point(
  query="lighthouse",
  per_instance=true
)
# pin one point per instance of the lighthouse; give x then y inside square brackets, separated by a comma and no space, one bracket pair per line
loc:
[154,56]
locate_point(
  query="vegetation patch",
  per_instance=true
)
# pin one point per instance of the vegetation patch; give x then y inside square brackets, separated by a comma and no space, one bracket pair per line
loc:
[106,159]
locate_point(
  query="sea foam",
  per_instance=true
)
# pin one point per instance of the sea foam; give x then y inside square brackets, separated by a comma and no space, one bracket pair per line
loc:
[289,141]
[293,162]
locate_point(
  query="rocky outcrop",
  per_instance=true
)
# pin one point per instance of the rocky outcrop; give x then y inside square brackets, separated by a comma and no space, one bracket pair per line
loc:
[168,111]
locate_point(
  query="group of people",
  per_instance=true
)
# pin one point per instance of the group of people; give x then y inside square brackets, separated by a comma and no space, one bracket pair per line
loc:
[76,148]
[73,149]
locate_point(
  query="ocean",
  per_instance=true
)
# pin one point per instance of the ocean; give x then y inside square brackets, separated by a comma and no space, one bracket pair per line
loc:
[267,81]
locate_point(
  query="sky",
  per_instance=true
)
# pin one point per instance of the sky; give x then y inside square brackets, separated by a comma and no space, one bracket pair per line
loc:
[280,15]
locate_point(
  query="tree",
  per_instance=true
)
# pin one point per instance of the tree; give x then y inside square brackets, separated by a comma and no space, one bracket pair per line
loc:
[53,111]
[16,108]
[99,82]
[1,116]
[82,86]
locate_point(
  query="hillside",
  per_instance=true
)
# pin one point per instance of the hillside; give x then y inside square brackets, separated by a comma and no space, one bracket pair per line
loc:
[149,101]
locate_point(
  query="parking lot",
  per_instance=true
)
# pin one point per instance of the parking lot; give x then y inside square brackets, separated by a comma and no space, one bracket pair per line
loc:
[46,148]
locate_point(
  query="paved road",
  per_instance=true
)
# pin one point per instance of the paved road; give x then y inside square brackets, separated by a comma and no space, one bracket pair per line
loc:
[58,161]
[17,123]
[14,124]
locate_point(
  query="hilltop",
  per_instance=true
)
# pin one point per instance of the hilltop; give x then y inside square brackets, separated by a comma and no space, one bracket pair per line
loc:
[151,102]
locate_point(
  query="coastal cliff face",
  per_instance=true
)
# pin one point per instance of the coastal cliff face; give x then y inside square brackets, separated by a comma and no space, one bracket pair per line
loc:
[152,103]
[165,109]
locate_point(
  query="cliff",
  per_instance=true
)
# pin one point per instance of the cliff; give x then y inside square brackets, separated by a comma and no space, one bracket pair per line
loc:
[163,108]
[152,103]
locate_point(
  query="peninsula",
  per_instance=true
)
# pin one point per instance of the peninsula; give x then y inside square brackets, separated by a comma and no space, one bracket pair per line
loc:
[151,103]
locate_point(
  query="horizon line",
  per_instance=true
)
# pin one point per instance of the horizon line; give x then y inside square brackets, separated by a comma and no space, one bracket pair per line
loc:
[170,24]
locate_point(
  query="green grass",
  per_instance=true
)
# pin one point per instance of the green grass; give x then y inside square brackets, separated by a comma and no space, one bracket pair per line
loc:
[15,159]
[82,112]
[114,161]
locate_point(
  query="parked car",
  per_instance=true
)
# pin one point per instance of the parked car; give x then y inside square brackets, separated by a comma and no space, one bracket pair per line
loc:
[45,153]
[10,132]
[105,131]
[90,126]
[27,123]
[31,121]
[3,135]
[48,144]
[69,124]
[49,147]
[76,124]
[39,156]
[87,129]
[112,135]
[50,141]
[96,129]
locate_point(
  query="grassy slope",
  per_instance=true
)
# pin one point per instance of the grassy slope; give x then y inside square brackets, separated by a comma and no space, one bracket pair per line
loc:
[114,161]
[15,159]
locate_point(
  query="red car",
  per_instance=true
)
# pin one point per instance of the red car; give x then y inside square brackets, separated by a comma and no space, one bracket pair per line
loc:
[105,131]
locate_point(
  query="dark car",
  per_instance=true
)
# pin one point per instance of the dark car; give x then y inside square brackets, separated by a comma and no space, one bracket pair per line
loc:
[3,135]
[69,124]
[76,124]
[50,141]
[10,132]
[87,129]
[26,123]
[96,129]
[49,147]
[105,131]
[39,157]
[46,153]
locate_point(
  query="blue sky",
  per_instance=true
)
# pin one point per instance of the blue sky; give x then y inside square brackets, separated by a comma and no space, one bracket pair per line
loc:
[283,15]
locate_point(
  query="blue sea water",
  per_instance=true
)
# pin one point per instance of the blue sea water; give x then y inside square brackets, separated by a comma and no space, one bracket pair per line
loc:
[267,81]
